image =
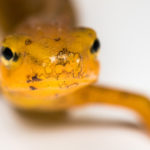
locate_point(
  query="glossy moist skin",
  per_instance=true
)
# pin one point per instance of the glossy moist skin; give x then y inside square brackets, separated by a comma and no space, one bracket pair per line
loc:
[49,64]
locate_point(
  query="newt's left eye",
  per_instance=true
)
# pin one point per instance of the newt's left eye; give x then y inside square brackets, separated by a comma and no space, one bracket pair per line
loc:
[95,47]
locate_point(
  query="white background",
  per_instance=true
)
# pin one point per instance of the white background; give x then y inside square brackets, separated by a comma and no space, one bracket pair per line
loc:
[123,27]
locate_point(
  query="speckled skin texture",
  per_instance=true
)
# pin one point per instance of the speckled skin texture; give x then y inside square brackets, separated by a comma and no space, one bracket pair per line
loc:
[53,67]
[54,58]
[49,64]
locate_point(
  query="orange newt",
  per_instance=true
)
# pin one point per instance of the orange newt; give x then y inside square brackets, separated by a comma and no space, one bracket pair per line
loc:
[49,64]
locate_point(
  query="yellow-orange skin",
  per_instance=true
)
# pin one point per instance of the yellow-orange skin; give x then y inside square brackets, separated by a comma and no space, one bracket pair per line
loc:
[51,64]
[55,69]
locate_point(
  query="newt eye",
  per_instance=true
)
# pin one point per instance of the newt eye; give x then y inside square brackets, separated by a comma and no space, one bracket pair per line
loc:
[95,47]
[7,53]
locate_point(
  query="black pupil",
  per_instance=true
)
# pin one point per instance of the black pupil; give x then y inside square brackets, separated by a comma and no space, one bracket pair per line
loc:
[95,46]
[7,53]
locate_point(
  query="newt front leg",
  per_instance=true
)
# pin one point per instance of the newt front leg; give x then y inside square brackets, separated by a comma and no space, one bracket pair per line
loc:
[101,95]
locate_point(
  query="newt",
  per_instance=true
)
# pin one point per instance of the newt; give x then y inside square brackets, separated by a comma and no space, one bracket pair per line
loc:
[48,63]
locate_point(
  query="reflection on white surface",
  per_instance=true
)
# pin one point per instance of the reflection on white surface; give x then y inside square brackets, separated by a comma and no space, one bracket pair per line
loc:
[124,29]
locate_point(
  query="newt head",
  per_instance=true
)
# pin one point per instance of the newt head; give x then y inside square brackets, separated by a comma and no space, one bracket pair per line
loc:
[49,59]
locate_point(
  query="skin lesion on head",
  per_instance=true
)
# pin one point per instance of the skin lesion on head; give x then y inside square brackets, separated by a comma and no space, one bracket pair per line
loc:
[69,62]
[65,56]
[57,39]
[28,42]
[64,64]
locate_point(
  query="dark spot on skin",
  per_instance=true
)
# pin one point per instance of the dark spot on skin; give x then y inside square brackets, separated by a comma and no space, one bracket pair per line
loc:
[28,81]
[33,88]
[63,51]
[33,79]
[57,39]
[28,42]
[15,57]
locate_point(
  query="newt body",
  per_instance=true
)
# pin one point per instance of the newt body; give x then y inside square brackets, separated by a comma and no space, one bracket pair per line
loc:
[49,64]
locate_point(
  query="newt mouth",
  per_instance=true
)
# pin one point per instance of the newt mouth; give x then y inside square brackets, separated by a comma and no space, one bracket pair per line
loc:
[50,84]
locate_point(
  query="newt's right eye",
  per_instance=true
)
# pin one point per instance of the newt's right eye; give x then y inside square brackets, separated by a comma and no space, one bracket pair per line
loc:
[8,57]
[7,53]
[95,47]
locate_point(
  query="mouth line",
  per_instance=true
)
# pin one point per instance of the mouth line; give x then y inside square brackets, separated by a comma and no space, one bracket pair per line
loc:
[51,84]
[34,88]
[48,86]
